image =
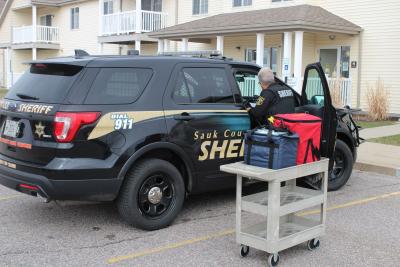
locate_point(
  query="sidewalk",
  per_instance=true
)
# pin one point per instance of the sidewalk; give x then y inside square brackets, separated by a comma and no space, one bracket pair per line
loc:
[376,132]
[379,158]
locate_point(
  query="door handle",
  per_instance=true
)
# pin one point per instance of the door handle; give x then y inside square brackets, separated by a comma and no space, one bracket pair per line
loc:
[183,117]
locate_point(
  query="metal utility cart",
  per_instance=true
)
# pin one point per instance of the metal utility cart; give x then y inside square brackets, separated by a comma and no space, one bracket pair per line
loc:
[283,227]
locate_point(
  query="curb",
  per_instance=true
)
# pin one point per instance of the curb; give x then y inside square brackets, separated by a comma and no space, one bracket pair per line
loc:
[377,169]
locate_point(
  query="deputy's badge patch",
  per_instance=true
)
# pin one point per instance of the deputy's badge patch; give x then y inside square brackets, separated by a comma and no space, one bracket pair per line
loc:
[260,101]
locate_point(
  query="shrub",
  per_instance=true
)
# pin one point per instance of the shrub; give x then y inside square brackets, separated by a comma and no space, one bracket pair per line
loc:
[378,101]
[335,89]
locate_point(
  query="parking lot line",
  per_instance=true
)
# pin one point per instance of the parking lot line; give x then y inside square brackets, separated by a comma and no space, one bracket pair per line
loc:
[351,203]
[231,231]
[171,246]
[10,197]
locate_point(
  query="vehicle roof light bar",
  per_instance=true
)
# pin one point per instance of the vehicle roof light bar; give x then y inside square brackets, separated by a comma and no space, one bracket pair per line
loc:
[199,53]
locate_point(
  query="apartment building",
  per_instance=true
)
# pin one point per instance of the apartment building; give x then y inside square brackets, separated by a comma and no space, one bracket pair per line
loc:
[355,41]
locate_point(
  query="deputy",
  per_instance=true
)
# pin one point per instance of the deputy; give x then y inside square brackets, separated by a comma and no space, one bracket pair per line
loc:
[274,98]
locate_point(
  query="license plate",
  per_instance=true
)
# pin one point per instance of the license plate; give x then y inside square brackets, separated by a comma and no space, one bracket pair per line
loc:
[11,128]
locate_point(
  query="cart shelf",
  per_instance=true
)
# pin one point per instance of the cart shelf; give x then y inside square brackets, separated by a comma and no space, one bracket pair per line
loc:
[291,200]
[290,233]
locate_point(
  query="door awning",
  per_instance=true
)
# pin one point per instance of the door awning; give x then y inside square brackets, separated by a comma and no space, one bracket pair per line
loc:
[291,18]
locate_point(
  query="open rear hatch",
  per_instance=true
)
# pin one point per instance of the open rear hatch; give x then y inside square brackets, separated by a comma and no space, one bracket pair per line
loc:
[27,115]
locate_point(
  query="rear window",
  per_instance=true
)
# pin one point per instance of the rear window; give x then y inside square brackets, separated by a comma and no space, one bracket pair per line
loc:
[118,85]
[48,83]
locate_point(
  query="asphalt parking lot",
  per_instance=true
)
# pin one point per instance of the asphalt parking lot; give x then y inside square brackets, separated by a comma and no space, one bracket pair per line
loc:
[363,229]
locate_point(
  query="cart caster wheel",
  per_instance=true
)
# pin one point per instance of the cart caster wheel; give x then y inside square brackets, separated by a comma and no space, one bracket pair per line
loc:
[313,244]
[244,251]
[273,260]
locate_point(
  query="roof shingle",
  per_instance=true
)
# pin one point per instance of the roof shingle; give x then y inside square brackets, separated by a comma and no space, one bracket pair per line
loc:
[301,17]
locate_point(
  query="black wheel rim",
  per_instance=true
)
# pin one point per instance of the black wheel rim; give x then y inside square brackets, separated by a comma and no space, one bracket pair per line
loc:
[338,166]
[156,195]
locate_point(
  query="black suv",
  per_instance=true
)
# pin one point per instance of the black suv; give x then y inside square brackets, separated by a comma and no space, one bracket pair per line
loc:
[144,131]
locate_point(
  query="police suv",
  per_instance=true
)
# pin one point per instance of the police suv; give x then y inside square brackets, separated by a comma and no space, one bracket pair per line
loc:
[144,131]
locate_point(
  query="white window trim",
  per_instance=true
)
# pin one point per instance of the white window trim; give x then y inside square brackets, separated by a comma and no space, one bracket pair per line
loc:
[200,13]
[71,17]
[241,5]
[45,15]
[107,1]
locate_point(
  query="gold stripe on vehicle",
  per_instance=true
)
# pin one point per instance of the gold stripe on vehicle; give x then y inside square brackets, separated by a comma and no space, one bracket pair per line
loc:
[106,123]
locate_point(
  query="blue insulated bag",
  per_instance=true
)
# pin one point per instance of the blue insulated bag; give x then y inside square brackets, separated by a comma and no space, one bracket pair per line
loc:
[270,149]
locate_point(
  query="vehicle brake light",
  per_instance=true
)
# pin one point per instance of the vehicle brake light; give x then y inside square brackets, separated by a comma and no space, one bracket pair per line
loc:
[67,124]
[29,187]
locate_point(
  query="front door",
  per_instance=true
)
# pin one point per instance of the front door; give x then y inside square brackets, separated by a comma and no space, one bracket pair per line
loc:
[316,97]
[329,61]
[204,118]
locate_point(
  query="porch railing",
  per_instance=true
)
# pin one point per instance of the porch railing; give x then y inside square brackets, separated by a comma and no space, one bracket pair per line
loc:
[44,34]
[119,23]
[125,22]
[340,88]
[153,21]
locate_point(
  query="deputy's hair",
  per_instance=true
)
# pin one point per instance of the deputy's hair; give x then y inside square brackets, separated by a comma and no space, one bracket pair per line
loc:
[265,75]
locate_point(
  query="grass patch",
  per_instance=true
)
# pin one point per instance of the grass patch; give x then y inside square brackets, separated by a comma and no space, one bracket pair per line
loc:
[372,124]
[393,140]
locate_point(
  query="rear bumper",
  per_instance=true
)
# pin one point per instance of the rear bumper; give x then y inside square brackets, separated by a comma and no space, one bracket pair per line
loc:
[63,189]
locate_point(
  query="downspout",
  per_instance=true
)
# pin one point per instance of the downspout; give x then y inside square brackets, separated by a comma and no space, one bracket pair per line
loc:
[359,70]
[176,20]
[176,11]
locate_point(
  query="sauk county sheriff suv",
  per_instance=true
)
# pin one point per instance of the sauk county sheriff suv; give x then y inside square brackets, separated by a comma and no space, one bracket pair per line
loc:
[144,131]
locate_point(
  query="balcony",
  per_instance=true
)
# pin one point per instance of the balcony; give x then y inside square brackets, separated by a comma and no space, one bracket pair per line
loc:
[128,22]
[36,37]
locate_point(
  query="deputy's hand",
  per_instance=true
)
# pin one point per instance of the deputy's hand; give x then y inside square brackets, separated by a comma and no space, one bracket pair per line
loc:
[248,109]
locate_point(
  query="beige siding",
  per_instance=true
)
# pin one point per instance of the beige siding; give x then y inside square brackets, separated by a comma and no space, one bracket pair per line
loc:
[86,36]
[217,7]
[128,5]
[380,42]
[149,49]
[5,29]
[2,69]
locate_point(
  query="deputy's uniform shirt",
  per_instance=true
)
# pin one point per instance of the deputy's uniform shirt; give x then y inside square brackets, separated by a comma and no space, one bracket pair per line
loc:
[277,99]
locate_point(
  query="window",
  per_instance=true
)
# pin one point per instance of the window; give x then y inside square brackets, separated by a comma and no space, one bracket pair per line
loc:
[46,20]
[270,57]
[314,89]
[108,7]
[202,85]
[52,82]
[200,7]
[236,3]
[248,83]
[152,5]
[74,18]
[345,62]
[118,85]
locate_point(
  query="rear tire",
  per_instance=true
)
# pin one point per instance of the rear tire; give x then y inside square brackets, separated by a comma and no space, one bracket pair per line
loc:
[343,166]
[152,195]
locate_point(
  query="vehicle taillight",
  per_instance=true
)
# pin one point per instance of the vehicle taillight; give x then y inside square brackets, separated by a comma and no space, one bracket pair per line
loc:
[67,124]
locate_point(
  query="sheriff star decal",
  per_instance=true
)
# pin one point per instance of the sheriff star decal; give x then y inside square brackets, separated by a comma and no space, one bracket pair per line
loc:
[39,129]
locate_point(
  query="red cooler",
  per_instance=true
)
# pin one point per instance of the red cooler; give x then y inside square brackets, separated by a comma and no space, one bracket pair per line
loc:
[308,128]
